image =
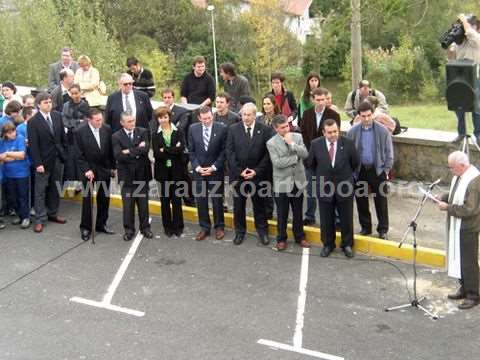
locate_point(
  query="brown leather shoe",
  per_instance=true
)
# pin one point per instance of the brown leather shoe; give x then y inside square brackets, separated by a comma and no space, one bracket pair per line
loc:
[201,235]
[57,219]
[282,245]
[38,228]
[304,243]
[219,234]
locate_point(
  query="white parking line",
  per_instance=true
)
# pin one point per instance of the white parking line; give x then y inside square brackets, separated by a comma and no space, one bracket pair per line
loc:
[316,354]
[302,298]
[298,334]
[106,302]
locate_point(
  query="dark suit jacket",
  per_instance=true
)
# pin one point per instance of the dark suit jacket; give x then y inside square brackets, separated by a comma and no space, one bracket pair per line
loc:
[114,109]
[90,156]
[173,153]
[215,155]
[243,153]
[45,147]
[136,165]
[346,161]
[308,124]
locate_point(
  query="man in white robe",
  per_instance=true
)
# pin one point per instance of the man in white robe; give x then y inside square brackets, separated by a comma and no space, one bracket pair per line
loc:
[462,205]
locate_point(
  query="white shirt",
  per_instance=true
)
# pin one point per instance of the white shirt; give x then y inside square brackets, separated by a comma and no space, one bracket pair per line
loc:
[96,134]
[334,150]
[131,100]
[251,128]
[128,132]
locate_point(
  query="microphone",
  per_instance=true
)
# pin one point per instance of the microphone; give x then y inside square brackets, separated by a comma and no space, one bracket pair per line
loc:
[435,183]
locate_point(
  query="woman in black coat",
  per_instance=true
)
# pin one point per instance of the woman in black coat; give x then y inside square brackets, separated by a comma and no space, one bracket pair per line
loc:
[168,145]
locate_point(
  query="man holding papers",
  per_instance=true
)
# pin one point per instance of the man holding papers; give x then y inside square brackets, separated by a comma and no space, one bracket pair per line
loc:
[462,205]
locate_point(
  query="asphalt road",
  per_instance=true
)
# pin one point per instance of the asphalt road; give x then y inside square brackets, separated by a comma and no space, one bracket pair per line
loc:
[213,300]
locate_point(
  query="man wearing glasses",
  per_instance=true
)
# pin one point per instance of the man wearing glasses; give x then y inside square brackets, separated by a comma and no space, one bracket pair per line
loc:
[128,100]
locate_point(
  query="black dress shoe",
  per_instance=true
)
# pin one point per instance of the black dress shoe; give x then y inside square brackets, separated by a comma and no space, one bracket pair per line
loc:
[382,235]
[178,233]
[2,225]
[459,295]
[365,232]
[105,230]
[128,237]
[264,239]
[86,235]
[308,222]
[347,250]
[238,239]
[326,250]
[147,234]
[468,304]
[168,232]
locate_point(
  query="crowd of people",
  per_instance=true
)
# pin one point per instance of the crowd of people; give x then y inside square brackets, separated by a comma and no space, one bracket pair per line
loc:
[276,155]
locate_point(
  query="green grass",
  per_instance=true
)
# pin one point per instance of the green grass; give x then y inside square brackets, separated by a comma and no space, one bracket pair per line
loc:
[429,116]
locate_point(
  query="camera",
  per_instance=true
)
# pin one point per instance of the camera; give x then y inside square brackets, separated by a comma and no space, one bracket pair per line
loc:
[456,33]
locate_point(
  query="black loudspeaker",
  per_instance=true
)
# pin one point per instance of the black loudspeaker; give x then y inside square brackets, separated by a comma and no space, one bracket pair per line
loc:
[462,86]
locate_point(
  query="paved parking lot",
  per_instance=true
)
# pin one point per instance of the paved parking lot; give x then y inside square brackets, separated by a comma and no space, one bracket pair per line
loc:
[214,300]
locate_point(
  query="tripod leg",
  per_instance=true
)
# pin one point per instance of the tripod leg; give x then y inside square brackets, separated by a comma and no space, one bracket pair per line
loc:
[399,307]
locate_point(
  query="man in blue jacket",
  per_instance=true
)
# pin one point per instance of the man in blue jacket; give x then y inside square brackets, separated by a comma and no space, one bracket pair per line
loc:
[374,145]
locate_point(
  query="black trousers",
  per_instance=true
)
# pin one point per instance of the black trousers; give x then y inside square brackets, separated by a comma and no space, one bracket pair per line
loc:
[136,194]
[469,264]
[327,221]
[242,190]
[379,189]
[206,188]
[103,204]
[284,201]
[171,203]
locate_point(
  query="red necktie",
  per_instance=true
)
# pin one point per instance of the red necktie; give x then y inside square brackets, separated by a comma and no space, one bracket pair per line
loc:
[331,151]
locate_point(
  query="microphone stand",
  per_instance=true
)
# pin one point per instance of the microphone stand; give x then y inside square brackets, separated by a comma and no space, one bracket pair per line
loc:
[415,302]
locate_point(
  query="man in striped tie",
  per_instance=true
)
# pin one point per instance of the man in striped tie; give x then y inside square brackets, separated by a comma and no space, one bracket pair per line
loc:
[206,142]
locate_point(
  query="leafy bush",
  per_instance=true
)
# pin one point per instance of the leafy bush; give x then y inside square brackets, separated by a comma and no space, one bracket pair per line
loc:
[402,74]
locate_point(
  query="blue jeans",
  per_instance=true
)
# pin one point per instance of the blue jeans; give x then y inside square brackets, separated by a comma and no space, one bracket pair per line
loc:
[18,190]
[310,214]
[461,128]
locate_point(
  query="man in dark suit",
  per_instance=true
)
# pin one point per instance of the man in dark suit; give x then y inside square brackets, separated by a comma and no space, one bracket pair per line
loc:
[95,160]
[65,62]
[311,126]
[47,145]
[128,100]
[207,155]
[334,159]
[249,167]
[130,149]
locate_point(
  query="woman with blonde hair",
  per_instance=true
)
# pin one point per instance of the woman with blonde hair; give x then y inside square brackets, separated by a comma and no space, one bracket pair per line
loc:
[88,78]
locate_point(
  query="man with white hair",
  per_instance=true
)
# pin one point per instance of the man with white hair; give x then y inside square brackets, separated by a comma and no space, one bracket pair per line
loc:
[128,100]
[249,169]
[462,205]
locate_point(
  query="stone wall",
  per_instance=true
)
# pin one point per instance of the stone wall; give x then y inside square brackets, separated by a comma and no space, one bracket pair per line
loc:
[421,154]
